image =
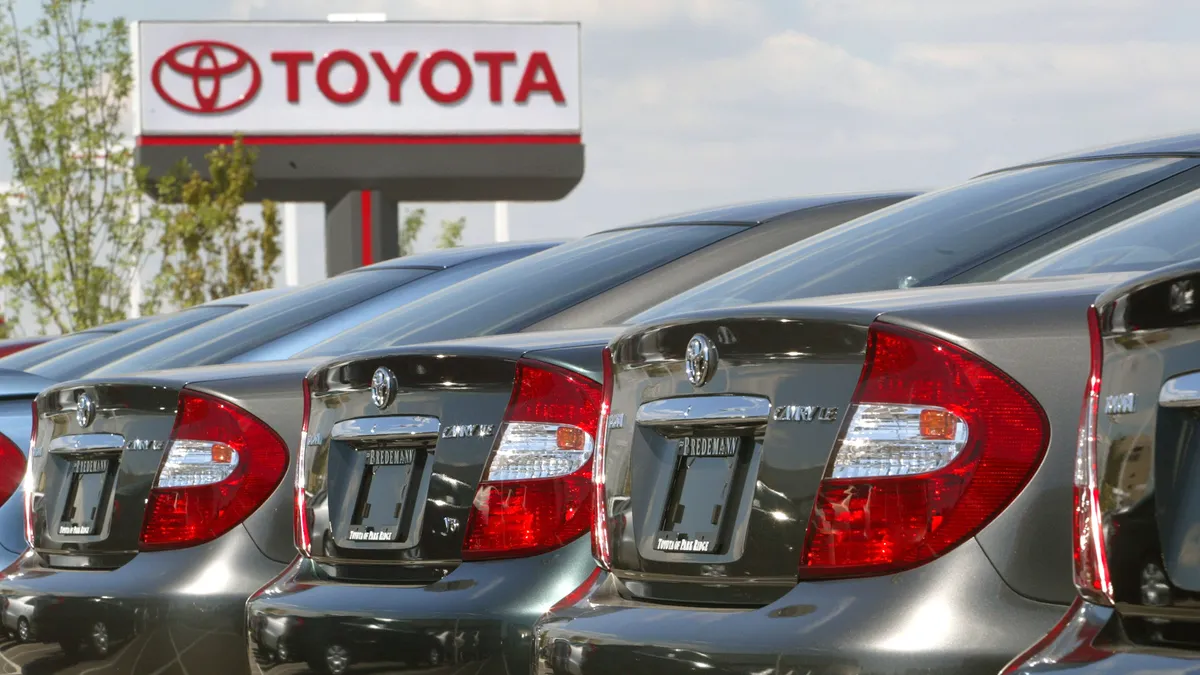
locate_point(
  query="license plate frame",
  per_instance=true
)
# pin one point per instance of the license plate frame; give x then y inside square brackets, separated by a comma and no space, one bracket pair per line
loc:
[89,485]
[388,482]
[704,480]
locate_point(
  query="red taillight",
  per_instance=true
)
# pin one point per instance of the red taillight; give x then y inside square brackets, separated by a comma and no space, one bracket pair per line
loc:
[600,549]
[300,519]
[27,486]
[1091,563]
[536,493]
[221,464]
[12,467]
[938,442]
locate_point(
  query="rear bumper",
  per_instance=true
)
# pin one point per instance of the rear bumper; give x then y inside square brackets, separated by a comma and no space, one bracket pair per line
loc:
[162,612]
[479,618]
[954,615]
[1093,642]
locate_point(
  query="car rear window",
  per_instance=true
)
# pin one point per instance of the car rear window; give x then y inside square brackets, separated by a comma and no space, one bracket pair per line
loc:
[79,362]
[513,296]
[1159,237]
[237,332]
[27,358]
[284,347]
[929,239]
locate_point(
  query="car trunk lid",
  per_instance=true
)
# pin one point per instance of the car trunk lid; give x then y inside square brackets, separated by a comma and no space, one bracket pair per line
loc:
[97,452]
[419,458]
[395,450]
[1147,454]
[709,483]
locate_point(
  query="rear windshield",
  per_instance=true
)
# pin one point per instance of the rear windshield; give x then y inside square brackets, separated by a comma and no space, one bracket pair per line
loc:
[79,362]
[1159,237]
[26,358]
[520,293]
[329,327]
[221,339]
[928,239]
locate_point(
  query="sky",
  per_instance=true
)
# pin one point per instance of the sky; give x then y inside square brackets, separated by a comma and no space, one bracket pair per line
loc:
[695,103]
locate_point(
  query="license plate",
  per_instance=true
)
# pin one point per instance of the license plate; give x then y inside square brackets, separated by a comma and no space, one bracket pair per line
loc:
[382,494]
[86,497]
[706,468]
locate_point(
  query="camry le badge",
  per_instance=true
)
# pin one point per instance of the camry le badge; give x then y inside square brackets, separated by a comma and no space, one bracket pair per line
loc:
[383,387]
[804,413]
[85,410]
[700,360]
[468,430]
[1120,404]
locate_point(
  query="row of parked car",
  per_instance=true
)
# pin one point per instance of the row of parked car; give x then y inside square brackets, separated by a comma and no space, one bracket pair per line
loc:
[948,432]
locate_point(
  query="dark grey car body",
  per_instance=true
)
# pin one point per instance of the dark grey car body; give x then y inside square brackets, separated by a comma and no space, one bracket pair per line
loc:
[196,596]
[40,370]
[254,326]
[969,611]
[1148,481]
[325,586]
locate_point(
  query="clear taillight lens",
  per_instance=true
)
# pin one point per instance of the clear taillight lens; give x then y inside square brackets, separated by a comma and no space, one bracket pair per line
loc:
[600,545]
[536,494]
[899,440]
[28,484]
[221,464]
[1091,562]
[938,443]
[300,519]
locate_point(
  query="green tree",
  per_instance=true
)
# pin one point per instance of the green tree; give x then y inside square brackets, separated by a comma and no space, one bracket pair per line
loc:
[210,250]
[69,229]
[450,235]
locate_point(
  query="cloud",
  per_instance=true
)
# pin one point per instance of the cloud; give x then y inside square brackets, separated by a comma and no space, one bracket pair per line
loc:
[695,102]
[938,11]
[603,14]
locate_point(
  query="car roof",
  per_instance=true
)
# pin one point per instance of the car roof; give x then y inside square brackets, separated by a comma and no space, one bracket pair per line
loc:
[443,258]
[116,326]
[756,213]
[1174,145]
[244,299]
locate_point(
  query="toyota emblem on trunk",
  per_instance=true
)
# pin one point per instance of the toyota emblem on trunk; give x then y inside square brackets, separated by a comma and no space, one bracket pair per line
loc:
[700,360]
[383,387]
[85,410]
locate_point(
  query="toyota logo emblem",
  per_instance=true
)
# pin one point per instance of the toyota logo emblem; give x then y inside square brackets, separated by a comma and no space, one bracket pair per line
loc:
[207,65]
[85,410]
[383,387]
[700,360]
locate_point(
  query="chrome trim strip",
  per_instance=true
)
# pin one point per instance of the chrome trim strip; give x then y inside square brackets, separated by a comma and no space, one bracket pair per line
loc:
[87,443]
[705,410]
[1180,392]
[407,427]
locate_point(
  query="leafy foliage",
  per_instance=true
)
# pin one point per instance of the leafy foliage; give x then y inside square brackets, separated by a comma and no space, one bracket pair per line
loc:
[70,230]
[209,249]
[450,235]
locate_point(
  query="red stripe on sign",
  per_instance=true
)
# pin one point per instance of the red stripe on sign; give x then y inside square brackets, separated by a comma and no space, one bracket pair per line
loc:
[369,139]
[368,254]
